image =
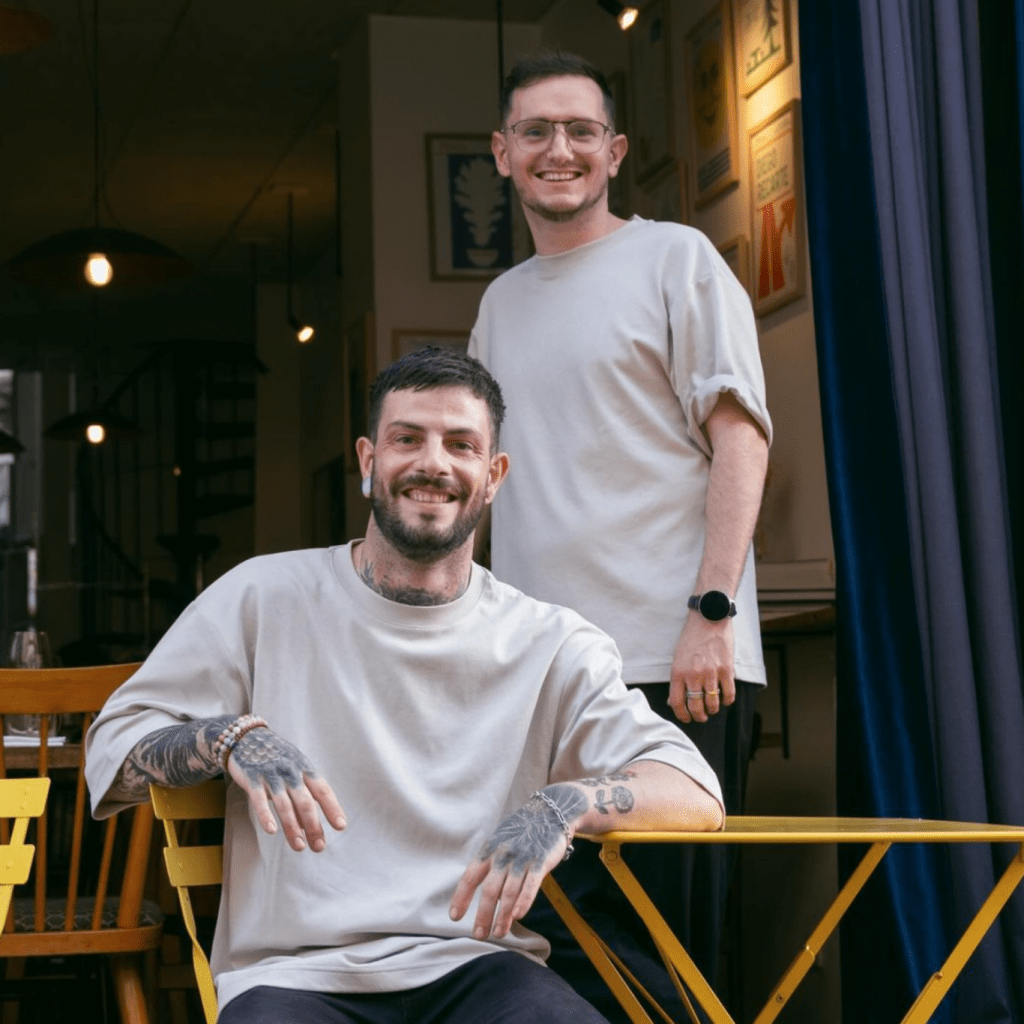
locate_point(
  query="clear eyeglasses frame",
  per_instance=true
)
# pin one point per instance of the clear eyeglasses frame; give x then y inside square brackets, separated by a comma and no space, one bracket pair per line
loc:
[534,134]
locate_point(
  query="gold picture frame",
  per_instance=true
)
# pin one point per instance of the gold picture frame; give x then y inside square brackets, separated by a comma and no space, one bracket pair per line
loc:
[710,77]
[763,41]
[778,210]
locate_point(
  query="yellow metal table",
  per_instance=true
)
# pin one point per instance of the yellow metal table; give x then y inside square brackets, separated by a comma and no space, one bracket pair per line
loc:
[878,833]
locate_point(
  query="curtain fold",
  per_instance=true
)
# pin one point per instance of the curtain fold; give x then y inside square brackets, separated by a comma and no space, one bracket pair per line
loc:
[931,698]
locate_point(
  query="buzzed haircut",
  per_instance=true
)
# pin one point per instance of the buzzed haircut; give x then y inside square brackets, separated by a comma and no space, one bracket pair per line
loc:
[533,68]
[431,367]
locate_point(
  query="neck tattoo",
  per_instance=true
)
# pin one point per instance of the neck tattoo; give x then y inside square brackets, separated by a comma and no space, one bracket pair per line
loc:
[405,595]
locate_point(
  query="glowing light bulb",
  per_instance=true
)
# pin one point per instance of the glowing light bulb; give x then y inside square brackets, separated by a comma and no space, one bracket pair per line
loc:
[95,433]
[304,333]
[98,270]
[626,17]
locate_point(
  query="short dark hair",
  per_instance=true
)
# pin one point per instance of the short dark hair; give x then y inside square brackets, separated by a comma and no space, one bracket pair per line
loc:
[536,67]
[431,367]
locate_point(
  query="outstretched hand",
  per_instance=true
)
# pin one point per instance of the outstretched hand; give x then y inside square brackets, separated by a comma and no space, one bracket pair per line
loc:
[512,864]
[275,773]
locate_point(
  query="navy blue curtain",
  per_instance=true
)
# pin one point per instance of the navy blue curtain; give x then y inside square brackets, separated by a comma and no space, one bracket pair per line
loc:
[931,703]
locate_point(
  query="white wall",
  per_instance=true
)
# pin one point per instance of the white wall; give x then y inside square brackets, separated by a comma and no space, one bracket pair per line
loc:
[427,76]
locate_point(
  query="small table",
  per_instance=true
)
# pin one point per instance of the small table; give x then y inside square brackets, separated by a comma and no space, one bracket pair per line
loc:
[878,833]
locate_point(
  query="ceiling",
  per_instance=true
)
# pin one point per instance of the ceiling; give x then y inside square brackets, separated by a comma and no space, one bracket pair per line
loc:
[211,112]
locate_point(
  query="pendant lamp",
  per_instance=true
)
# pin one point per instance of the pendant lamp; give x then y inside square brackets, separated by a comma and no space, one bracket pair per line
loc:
[95,257]
[303,331]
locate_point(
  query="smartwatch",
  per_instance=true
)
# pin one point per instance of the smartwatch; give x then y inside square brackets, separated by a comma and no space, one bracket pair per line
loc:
[713,605]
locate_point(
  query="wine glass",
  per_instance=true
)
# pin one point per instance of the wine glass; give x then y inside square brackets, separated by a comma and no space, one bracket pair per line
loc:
[30,648]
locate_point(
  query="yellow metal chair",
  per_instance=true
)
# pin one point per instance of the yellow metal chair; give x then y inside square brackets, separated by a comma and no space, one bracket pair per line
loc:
[20,800]
[190,866]
[879,833]
[87,895]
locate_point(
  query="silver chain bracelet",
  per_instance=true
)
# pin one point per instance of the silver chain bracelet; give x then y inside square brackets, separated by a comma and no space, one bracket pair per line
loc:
[561,821]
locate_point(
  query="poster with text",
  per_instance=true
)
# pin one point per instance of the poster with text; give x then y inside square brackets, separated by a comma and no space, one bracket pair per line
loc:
[777,210]
[714,151]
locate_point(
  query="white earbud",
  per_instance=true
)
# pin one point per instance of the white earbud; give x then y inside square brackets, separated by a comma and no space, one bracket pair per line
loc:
[366,486]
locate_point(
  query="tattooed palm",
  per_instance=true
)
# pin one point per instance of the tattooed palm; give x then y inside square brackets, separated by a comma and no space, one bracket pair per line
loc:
[525,838]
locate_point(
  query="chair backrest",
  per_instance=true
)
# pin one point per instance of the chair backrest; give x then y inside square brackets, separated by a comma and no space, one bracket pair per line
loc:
[191,865]
[20,800]
[73,909]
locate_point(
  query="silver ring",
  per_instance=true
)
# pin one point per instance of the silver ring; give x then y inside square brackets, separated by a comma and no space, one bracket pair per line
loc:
[694,693]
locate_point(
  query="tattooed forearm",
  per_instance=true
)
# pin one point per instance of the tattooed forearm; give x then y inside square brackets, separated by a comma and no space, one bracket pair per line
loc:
[180,755]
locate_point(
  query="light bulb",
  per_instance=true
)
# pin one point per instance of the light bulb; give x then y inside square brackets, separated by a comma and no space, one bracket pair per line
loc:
[98,270]
[626,17]
[304,333]
[95,433]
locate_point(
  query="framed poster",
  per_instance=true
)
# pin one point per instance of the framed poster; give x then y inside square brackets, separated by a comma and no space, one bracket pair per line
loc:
[474,231]
[777,210]
[359,342]
[618,187]
[762,41]
[664,196]
[736,253]
[404,340]
[714,146]
[650,87]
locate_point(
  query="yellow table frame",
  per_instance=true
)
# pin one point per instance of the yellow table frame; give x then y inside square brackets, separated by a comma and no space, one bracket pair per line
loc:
[879,833]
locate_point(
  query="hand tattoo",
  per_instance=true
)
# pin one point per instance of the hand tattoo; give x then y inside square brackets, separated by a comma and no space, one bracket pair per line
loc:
[267,759]
[525,838]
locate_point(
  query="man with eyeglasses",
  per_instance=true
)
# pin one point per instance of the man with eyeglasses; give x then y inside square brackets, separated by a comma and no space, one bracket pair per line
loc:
[638,427]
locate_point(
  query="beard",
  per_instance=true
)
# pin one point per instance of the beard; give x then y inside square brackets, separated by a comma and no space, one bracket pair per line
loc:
[561,216]
[423,543]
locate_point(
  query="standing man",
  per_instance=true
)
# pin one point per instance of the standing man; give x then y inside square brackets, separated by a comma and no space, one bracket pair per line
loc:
[628,355]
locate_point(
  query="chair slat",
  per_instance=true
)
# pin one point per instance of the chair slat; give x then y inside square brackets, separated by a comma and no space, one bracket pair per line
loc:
[194,865]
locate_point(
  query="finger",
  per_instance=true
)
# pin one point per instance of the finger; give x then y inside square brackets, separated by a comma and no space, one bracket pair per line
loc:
[677,701]
[728,688]
[474,874]
[695,704]
[712,701]
[487,908]
[293,831]
[257,796]
[307,812]
[324,796]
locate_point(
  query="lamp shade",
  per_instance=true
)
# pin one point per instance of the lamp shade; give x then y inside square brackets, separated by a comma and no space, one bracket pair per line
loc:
[72,427]
[59,261]
[21,30]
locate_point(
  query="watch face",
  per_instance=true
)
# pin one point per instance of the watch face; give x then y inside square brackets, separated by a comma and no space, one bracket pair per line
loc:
[714,605]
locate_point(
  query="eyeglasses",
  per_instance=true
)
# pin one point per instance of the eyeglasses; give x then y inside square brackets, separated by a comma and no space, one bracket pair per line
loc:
[534,135]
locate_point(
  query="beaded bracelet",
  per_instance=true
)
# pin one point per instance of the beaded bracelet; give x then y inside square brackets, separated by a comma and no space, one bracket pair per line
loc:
[561,821]
[232,733]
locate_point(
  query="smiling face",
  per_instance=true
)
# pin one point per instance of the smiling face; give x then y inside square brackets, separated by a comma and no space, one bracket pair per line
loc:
[432,470]
[559,184]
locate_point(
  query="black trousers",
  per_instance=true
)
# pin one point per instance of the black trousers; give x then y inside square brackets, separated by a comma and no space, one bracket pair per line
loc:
[689,884]
[497,988]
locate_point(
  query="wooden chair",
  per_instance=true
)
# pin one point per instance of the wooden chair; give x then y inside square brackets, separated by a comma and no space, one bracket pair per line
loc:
[88,896]
[190,866]
[22,800]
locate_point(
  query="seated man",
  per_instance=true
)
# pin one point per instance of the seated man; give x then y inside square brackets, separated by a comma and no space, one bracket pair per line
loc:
[470,731]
